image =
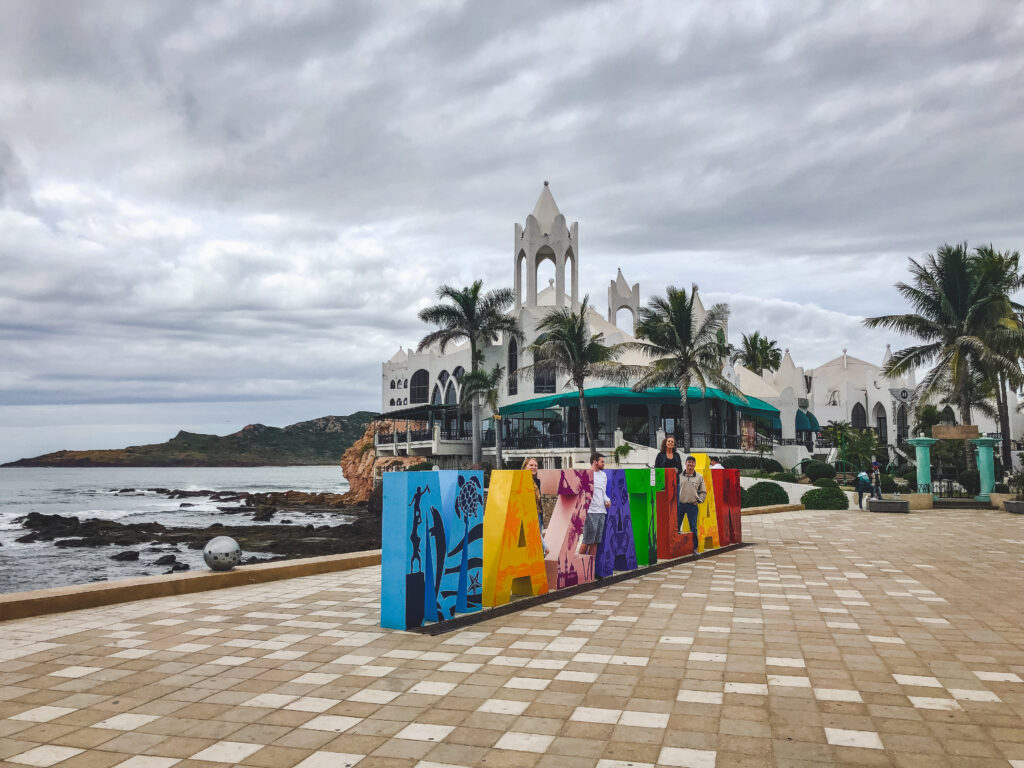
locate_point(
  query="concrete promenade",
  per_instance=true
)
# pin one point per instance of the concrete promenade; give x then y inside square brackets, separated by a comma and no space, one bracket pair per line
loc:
[841,638]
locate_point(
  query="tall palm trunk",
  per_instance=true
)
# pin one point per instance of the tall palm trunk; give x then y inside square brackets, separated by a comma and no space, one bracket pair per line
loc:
[965,419]
[684,395]
[585,418]
[475,431]
[499,460]
[1004,425]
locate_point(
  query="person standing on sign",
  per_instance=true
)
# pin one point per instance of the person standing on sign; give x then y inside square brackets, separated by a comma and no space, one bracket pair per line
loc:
[597,513]
[668,457]
[691,493]
[532,465]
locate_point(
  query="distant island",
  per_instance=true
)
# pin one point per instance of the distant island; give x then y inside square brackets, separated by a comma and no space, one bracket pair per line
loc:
[320,441]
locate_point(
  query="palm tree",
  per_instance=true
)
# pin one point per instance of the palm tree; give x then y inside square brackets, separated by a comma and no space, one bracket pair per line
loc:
[1007,280]
[467,314]
[957,302]
[487,384]
[758,353]
[566,346]
[683,347]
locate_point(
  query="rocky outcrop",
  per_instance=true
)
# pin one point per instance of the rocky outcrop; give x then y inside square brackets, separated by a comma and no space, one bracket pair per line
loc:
[318,441]
[360,464]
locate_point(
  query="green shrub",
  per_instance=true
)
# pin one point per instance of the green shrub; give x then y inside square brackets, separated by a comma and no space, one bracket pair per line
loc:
[1001,488]
[818,469]
[971,481]
[764,494]
[751,462]
[888,484]
[909,474]
[785,477]
[744,499]
[825,498]
[422,466]
[825,482]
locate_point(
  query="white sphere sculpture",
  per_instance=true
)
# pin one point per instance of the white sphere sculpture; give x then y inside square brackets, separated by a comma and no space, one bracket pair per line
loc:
[222,553]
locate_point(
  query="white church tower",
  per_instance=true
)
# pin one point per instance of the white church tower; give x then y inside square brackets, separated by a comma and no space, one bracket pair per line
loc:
[546,236]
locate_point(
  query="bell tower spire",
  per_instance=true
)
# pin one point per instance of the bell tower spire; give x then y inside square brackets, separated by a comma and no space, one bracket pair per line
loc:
[546,236]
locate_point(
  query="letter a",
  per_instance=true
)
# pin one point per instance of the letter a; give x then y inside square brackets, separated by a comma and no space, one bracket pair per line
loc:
[513,553]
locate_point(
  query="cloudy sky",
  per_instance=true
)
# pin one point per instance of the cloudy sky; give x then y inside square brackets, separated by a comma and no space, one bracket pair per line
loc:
[213,214]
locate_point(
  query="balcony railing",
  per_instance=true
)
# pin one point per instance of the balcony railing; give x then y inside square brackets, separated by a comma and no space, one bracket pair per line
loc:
[570,440]
[418,435]
[457,434]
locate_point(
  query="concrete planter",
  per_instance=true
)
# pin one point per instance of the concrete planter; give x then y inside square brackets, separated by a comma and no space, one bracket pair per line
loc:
[998,499]
[888,505]
[919,500]
[1016,507]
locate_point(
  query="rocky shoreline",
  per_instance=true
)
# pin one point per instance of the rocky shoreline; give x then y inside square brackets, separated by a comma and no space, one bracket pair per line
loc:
[358,528]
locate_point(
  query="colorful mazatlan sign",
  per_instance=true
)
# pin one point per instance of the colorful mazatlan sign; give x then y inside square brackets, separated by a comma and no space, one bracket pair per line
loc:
[445,552]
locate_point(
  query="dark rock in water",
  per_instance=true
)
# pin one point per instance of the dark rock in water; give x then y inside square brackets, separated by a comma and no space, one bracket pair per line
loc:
[161,491]
[286,522]
[176,494]
[263,514]
[177,567]
[354,531]
[165,560]
[131,554]
[127,490]
[185,504]
[88,541]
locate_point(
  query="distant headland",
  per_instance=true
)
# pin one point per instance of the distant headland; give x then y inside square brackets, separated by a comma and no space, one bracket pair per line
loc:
[320,441]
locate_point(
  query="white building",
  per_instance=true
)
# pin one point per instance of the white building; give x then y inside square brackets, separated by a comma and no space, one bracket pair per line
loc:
[420,391]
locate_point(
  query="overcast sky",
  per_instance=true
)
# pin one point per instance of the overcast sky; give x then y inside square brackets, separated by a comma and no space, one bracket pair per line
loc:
[213,214]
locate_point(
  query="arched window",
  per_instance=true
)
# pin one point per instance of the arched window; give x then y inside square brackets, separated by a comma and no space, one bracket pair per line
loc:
[406,402]
[392,383]
[513,367]
[443,377]
[543,381]
[392,401]
[435,397]
[858,417]
[902,427]
[458,373]
[420,384]
[405,384]
[449,395]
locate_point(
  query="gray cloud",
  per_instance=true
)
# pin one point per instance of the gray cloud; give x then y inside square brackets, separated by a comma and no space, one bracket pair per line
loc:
[248,203]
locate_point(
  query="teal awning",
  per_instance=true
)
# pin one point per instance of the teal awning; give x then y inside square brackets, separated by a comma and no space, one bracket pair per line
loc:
[666,395]
[806,422]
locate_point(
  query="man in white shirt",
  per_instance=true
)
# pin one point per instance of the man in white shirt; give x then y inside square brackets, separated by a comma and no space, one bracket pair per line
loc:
[597,512]
[715,463]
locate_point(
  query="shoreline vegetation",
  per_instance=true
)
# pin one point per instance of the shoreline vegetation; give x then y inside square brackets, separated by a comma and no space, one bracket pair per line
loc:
[317,442]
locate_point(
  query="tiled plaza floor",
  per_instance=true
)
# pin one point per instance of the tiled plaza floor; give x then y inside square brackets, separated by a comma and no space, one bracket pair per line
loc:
[840,638]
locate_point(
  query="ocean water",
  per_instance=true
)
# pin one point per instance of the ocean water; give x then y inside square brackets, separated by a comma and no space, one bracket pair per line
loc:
[95,493]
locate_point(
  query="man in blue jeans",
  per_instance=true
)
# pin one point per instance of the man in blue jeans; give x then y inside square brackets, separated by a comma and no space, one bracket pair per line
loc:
[691,493]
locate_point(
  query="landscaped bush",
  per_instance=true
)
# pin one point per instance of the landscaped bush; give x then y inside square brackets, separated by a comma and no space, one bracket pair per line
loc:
[751,462]
[1000,488]
[825,498]
[888,484]
[971,481]
[422,466]
[764,494]
[785,477]
[818,469]
[825,482]
[909,474]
